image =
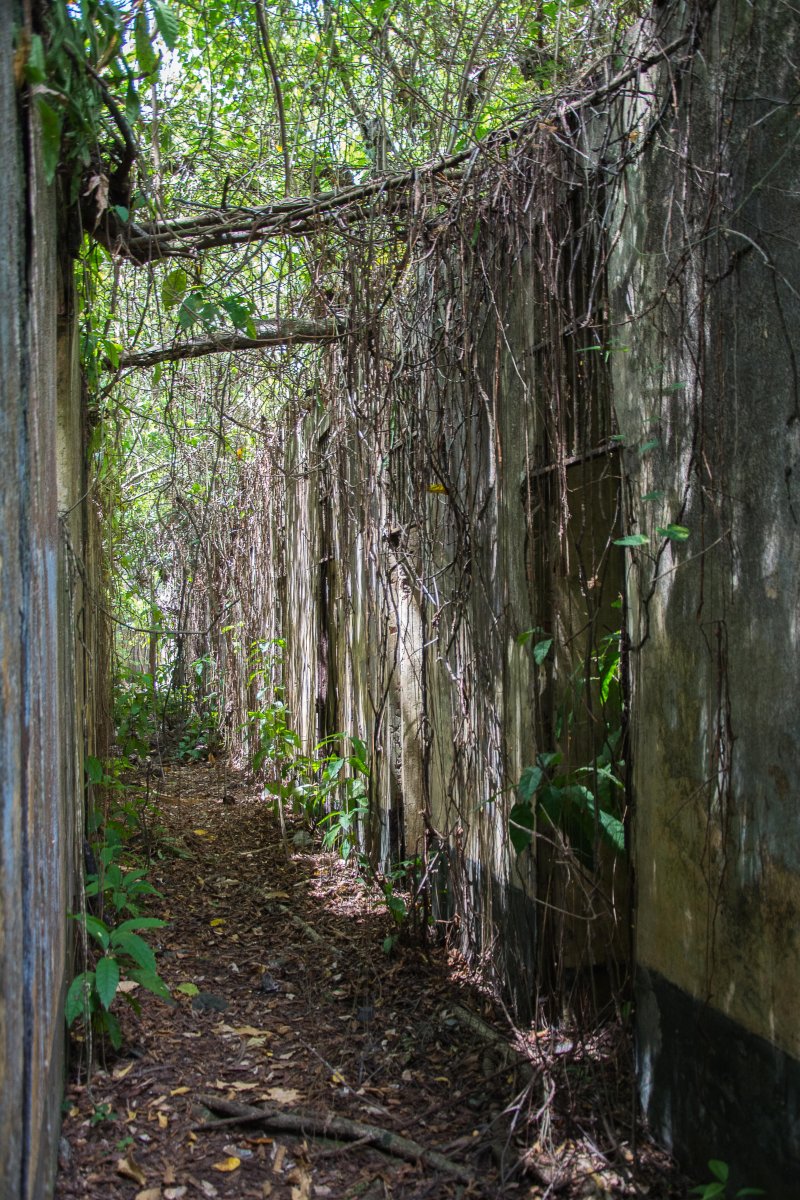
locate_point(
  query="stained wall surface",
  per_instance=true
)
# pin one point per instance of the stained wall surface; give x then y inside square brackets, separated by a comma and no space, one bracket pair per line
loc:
[43,696]
[705,290]
[467,477]
[440,522]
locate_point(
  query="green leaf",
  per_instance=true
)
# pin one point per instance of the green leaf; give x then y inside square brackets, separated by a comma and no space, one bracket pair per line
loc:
[719,1169]
[107,980]
[632,539]
[51,138]
[173,289]
[676,533]
[529,783]
[652,444]
[166,23]
[709,1190]
[133,105]
[136,948]
[188,989]
[109,1024]
[78,1001]
[35,70]
[652,495]
[148,59]
[748,1191]
[239,313]
[140,923]
[94,927]
[521,826]
[153,982]
[541,650]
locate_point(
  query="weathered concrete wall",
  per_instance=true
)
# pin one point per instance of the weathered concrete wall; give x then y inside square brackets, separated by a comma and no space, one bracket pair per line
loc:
[432,517]
[706,291]
[42,702]
[458,488]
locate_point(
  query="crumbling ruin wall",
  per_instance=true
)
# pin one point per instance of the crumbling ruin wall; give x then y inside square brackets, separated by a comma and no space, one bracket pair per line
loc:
[48,638]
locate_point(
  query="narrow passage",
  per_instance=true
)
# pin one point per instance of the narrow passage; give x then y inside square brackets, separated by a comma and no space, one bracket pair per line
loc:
[284,1001]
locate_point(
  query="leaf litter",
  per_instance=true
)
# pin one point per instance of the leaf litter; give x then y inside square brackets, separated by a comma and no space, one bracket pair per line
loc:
[410,1047]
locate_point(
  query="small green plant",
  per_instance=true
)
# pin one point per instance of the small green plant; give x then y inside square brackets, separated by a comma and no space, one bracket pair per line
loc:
[342,783]
[717,1188]
[102,1112]
[584,804]
[124,955]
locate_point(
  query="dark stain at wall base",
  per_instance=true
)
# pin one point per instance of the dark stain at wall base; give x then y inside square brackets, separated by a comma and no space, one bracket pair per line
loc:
[713,1090]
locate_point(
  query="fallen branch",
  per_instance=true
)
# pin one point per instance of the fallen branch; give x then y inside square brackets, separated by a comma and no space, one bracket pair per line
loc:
[268,333]
[339,1128]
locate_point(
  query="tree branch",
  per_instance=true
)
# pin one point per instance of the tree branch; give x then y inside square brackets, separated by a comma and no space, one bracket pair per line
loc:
[286,332]
[342,1128]
[186,236]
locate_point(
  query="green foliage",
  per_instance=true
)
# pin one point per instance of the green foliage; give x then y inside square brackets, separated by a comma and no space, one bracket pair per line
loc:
[717,1188]
[113,927]
[85,76]
[330,789]
[179,719]
[123,954]
[584,803]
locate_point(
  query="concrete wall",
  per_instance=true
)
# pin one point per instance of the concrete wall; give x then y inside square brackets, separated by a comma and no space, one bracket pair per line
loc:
[43,696]
[706,292]
[432,517]
[455,488]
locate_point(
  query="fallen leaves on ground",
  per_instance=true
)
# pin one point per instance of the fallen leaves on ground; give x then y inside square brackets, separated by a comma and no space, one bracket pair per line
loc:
[329,1025]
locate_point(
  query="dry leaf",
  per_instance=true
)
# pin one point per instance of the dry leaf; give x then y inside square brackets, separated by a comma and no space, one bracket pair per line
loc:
[129,1169]
[266,1190]
[149,1194]
[169,1175]
[163,1120]
[301,1181]
[229,1164]
[121,1072]
[181,1091]
[248,1031]
[208,1189]
[126,986]
[282,1095]
[217,921]
[244,1087]
[280,1155]
[176,1193]
[201,832]
[99,185]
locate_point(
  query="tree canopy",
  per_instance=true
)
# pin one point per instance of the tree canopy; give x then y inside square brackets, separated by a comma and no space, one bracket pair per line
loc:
[245,175]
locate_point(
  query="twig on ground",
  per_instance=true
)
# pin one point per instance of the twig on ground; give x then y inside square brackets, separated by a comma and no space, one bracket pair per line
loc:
[341,1128]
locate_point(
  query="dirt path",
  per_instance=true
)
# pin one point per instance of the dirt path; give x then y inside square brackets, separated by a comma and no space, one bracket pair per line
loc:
[299,1011]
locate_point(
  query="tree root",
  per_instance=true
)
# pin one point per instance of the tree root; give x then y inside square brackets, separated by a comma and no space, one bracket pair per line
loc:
[341,1128]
